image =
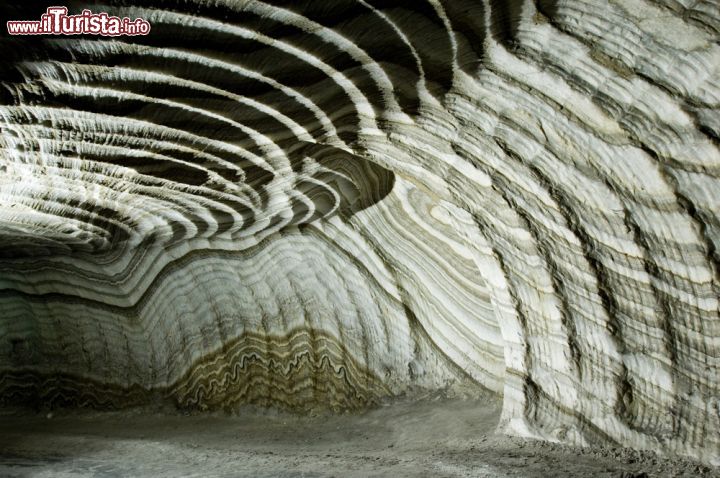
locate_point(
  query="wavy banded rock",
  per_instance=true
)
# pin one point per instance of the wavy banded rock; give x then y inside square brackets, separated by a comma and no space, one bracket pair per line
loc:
[318,203]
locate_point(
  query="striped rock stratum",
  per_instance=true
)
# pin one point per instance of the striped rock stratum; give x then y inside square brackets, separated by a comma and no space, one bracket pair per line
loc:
[313,204]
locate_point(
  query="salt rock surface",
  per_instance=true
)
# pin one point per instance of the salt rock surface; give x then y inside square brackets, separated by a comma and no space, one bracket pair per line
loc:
[323,204]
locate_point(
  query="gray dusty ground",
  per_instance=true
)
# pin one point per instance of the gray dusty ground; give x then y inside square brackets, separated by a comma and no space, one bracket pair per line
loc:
[430,438]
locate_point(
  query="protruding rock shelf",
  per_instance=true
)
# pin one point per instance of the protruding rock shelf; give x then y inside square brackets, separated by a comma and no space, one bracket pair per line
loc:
[324,203]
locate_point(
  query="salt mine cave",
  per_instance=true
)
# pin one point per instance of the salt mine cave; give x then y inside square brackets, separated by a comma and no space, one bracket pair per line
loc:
[362,238]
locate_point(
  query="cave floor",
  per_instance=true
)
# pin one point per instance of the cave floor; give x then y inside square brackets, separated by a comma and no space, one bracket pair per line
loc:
[434,438]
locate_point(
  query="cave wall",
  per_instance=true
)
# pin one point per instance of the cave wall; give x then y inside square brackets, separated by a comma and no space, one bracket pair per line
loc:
[322,204]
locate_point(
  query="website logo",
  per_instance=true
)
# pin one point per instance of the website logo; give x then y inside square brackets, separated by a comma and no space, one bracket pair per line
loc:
[56,21]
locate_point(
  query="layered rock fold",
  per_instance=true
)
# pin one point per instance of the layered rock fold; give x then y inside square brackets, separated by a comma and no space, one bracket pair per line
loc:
[305,204]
